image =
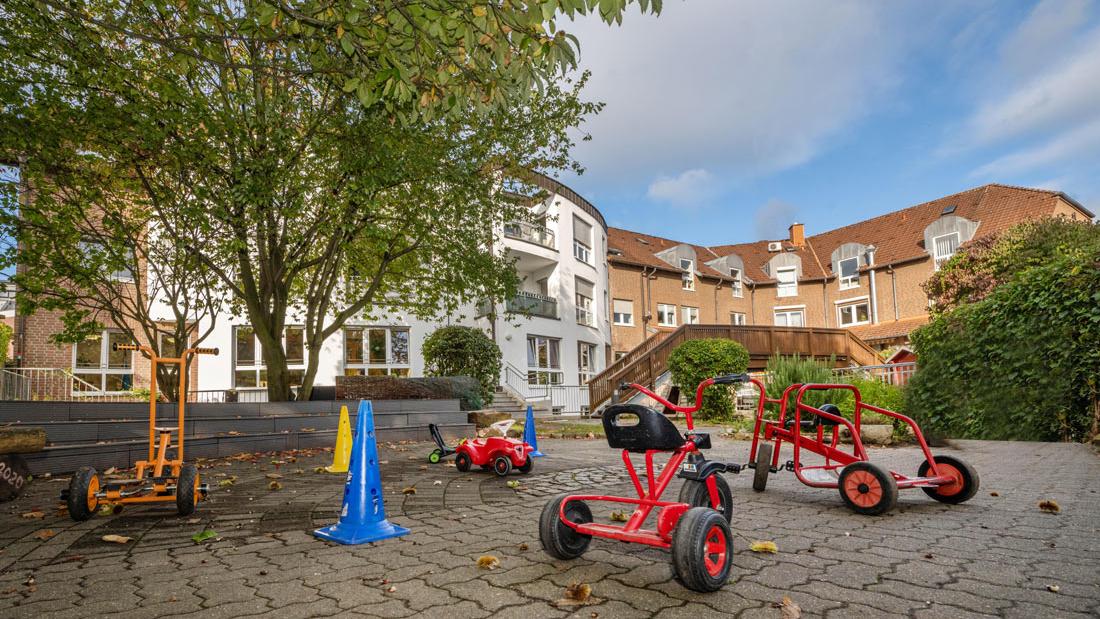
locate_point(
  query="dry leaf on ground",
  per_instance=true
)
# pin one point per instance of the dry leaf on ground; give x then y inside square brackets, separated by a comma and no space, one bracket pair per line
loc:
[764,547]
[513,484]
[45,534]
[32,515]
[1050,506]
[1053,588]
[409,490]
[576,594]
[116,539]
[618,517]
[788,609]
[274,485]
[273,476]
[488,562]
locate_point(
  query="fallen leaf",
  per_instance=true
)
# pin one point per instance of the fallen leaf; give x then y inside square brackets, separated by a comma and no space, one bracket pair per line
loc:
[116,539]
[488,562]
[391,589]
[31,515]
[409,490]
[204,535]
[45,534]
[788,609]
[228,481]
[319,469]
[194,520]
[1050,506]
[1053,588]
[764,547]
[576,593]
[619,517]
[110,471]
[523,546]
[274,485]
[273,476]
[513,484]
[994,494]
[437,482]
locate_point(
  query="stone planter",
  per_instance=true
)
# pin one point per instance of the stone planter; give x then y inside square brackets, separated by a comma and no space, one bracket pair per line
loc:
[871,434]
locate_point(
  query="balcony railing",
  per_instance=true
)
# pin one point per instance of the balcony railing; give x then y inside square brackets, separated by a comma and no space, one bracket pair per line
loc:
[539,235]
[533,304]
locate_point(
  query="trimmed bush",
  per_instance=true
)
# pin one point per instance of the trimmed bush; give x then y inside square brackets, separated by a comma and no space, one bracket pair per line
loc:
[696,360]
[464,351]
[462,388]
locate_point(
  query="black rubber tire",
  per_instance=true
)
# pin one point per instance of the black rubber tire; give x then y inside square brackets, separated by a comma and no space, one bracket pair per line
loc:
[763,467]
[558,540]
[187,490]
[77,501]
[435,456]
[689,549]
[889,488]
[502,465]
[528,464]
[695,493]
[463,462]
[971,482]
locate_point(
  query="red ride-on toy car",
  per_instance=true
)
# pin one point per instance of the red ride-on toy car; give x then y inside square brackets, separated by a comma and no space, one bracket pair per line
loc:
[866,488]
[500,453]
[696,527]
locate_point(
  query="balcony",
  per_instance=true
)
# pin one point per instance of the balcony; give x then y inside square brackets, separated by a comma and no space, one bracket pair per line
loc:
[523,231]
[533,304]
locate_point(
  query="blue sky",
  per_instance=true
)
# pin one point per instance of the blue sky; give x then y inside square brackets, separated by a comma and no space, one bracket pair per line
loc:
[726,120]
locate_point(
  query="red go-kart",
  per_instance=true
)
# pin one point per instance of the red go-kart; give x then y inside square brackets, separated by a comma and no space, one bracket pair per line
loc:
[867,488]
[696,527]
[500,453]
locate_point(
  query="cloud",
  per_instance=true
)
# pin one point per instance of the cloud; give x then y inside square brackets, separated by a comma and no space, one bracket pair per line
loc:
[773,219]
[1042,36]
[689,188]
[1079,142]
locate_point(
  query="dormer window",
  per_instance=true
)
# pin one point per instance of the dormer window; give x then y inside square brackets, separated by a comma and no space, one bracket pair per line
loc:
[849,273]
[688,275]
[943,247]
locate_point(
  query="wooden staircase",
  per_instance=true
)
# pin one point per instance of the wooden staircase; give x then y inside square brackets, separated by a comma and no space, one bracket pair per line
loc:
[650,358]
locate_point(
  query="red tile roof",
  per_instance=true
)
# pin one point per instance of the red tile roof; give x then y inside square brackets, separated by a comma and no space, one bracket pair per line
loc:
[888,330]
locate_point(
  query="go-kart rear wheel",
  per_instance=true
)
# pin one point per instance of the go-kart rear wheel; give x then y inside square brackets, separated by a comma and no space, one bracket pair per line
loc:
[702,550]
[559,540]
[868,488]
[695,493]
[527,465]
[463,462]
[763,467]
[962,489]
[502,465]
[435,456]
[81,500]
[187,490]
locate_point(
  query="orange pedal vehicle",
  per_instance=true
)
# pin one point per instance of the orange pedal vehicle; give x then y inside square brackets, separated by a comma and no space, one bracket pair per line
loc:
[157,479]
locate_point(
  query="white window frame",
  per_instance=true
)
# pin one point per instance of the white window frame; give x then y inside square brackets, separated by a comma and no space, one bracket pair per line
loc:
[668,310]
[258,366]
[549,374]
[586,310]
[621,319]
[97,376]
[738,319]
[786,289]
[787,312]
[851,281]
[125,275]
[687,278]
[852,303]
[737,286]
[689,315]
[937,259]
[392,366]
[582,252]
[586,361]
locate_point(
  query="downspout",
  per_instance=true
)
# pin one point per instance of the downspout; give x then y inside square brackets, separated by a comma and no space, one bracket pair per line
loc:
[874,296]
[752,302]
[825,300]
[716,287]
[894,290]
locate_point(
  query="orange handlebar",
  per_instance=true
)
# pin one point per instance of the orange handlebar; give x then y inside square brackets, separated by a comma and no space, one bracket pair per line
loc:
[205,351]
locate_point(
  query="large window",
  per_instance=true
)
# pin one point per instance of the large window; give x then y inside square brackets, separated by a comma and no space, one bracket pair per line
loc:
[738,285]
[376,351]
[586,361]
[790,317]
[586,307]
[788,282]
[249,368]
[582,240]
[687,278]
[944,247]
[98,367]
[849,273]
[666,315]
[853,313]
[737,318]
[543,360]
[95,250]
[690,314]
[624,312]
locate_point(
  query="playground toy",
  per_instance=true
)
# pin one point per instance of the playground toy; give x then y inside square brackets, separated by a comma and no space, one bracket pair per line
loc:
[363,512]
[157,479]
[529,435]
[865,487]
[696,527]
[500,453]
[341,455]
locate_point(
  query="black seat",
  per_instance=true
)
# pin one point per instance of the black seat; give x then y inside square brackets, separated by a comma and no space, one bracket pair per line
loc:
[810,421]
[653,431]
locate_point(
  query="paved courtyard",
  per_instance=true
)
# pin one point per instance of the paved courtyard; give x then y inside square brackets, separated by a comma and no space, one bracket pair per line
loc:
[997,555]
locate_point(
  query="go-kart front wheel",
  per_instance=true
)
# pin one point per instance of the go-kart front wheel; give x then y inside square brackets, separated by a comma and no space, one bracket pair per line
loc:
[81,499]
[502,465]
[763,466]
[696,494]
[559,540]
[187,490]
[702,550]
[962,489]
[868,488]
[435,456]
[463,462]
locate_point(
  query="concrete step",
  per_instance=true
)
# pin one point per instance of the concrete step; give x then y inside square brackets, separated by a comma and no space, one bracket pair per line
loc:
[27,412]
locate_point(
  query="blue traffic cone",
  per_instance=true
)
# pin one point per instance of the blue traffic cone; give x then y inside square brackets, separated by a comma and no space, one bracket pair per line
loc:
[529,436]
[363,516]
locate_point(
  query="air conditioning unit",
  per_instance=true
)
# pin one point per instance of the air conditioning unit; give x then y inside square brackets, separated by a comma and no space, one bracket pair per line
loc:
[775,246]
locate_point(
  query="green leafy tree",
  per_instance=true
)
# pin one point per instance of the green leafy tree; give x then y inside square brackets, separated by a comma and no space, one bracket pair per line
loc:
[696,360]
[5,341]
[464,351]
[319,161]
[1023,361]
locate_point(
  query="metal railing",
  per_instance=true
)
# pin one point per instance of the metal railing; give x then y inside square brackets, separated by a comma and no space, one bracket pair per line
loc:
[228,395]
[533,304]
[57,385]
[563,399]
[523,231]
[889,373]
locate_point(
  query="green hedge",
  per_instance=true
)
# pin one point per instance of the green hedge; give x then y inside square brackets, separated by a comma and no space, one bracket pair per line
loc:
[464,351]
[786,371]
[696,360]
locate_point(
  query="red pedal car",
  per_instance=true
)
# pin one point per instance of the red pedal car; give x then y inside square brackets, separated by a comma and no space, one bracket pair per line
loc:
[695,528]
[500,453]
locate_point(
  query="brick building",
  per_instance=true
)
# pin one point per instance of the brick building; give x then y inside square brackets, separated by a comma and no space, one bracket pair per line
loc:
[866,276]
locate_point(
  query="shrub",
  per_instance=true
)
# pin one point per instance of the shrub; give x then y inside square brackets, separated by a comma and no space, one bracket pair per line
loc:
[5,341]
[696,360]
[464,351]
[786,371]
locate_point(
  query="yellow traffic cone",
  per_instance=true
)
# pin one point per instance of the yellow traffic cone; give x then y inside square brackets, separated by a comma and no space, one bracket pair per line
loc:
[342,456]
